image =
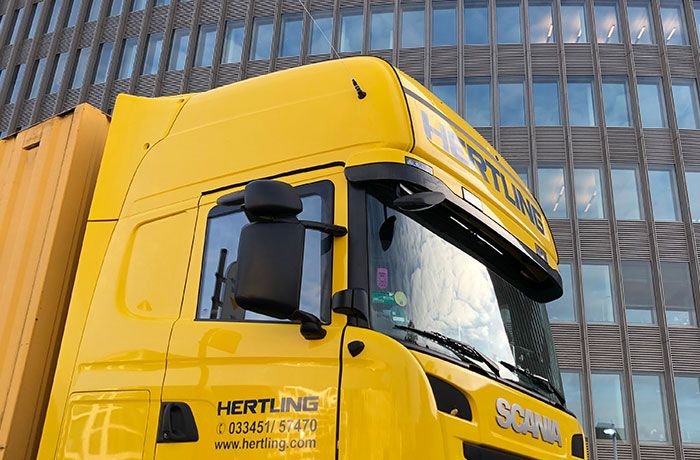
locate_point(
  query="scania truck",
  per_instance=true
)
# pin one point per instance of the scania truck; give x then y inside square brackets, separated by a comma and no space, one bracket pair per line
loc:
[320,263]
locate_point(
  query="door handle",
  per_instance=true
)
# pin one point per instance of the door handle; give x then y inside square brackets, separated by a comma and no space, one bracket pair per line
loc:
[176,423]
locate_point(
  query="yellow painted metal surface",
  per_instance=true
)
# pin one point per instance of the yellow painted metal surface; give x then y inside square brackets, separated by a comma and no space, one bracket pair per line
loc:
[47,176]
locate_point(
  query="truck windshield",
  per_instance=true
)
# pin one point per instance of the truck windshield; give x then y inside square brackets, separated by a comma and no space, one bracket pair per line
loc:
[430,292]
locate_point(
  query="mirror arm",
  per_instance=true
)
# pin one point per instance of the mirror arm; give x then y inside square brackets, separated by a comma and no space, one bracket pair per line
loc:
[329,229]
[310,326]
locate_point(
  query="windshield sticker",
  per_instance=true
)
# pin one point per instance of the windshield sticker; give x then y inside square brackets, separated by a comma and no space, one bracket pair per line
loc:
[400,298]
[382,278]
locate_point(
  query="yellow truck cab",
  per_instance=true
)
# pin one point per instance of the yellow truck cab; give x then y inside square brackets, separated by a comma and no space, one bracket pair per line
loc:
[324,262]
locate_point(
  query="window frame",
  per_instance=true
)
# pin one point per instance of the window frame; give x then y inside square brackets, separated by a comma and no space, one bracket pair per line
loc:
[664,404]
[613,295]
[638,182]
[635,306]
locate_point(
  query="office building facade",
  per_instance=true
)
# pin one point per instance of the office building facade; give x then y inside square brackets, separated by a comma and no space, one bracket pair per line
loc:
[594,102]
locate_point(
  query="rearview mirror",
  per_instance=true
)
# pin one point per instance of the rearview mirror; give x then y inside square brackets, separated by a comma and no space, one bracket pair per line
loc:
[419,201]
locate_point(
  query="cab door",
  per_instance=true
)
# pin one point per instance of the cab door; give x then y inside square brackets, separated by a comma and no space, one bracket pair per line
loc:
[242,384]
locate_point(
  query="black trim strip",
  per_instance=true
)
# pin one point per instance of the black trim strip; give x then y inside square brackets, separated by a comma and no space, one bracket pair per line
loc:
[474,452]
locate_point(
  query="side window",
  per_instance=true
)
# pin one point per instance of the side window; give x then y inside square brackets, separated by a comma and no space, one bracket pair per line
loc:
[224,225]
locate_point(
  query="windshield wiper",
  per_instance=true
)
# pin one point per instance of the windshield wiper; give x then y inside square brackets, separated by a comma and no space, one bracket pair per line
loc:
[461,349]
[538,379]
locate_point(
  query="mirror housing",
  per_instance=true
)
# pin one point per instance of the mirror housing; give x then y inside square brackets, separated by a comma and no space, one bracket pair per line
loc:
[419,201]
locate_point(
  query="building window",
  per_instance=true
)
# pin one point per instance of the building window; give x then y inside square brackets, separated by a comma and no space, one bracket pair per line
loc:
[511,101]
[626,194]
[290,36]
[638,292]
[321,31]
[261,41]
[206,41]
[381,35]
[608,404]
[607,22]
[116,7]
[59,68]
[37,8]
[16,21]
[523,172]
[508,22]
[582,111]
[103,61]
[598,297]
[678,294]
[128,57]
[151,58]
[692,179]
[664,194]
[476,23]
[16,84]
[545,93]
[688,402]
[94,11]
[571,381]
[651,102]
[350,30]
[685,99]
[138,5]
[696,14]
[650,407]
[444,24]
[233,42]
[574,23]
[446,91]
[541,23]
[412,26]
[673,22]
[564,308]
[53,16]
[616,101]
[641,26]
[551,186]
[588,190]
[178,49]
[162,3]
[38,73]
[80,69]
[477,101]
[73,14]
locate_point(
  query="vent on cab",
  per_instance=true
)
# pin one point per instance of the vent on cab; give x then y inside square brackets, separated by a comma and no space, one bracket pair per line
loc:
[450,399]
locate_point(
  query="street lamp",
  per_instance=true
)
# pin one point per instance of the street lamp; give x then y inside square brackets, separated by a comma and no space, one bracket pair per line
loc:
[609,429]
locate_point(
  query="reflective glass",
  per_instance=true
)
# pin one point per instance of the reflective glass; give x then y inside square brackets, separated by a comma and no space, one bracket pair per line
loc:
[105,57]
[650,408]
[638,292]
[151,59]
[608,405]
[664,194]
[16,21]
[351,30]
[477,101]
[261,40]
[678,293]
[444,24]
[588,190]
[685,99]
[116,8]
[39,68]
[412,26]
[508,23]
[162,2]
[53,16]
[523,171]
[290,41]
[616,102]
[673,22]
[178,49]
[573,22]
[545,95]
[541,23]
[321,33]
[597,293]
[16,84]
[551,188]
[564,308]
[607,22]
[688,401]
[641,26]
[233,42]
[581,102]
[696,14]
[36,15]
[94,12]
[381,35]
[573,394]
[138,5]
[81,64]
[446,91]
[626,194]
[476,23]
[206,41]
[73,13]
[511,102]
[126,63]
[59,68]
[651,102]
[692,179]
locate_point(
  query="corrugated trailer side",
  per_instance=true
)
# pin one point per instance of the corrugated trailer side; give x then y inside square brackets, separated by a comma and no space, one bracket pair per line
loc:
[47,177]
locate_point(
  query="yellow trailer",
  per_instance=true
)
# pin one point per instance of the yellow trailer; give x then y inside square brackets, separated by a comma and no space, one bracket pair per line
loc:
[324,262]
